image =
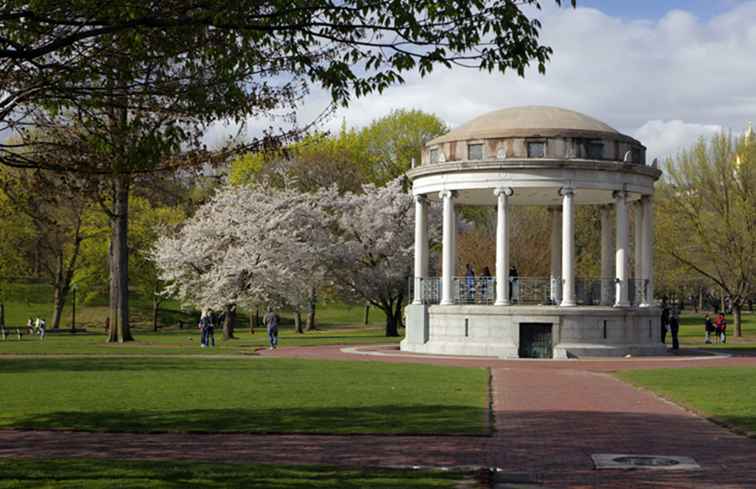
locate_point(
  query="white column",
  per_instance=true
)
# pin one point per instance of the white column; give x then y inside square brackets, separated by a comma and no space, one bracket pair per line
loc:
[568,247]
[502,245]
[447,261]
[647,204]
[638,252]
[556,255]
[421,246]
[621,294]
[607,272]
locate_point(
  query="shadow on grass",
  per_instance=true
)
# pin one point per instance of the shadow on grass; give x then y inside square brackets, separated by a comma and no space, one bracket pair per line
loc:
[59,474]
[105,364]
[389,418]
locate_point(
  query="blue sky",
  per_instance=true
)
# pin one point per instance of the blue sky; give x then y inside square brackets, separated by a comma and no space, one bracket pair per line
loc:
[663,71]
[654,9]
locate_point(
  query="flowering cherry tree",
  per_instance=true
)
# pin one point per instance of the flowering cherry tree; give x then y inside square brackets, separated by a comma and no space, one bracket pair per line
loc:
[248,245]
[252,245]
[373,247]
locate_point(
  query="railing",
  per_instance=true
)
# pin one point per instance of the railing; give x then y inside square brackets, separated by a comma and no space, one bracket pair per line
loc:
[527,290]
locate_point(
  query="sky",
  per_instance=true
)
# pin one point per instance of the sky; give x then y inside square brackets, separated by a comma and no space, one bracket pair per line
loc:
[663,71]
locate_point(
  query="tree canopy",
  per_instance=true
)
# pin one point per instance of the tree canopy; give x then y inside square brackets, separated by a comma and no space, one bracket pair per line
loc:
[707,214]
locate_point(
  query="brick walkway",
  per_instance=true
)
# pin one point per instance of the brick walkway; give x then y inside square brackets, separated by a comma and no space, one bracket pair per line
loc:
[550,417]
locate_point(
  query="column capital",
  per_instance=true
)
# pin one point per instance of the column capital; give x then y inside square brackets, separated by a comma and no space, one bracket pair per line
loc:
[619,194]
[421,198]
[447,194]
[508,191]
[566,191]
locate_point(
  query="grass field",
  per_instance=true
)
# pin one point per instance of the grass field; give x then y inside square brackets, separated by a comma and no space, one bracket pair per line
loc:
[692,332]
[337,324]
[109,474]
[250,395]
[187,342]
[726,394]
[25,300]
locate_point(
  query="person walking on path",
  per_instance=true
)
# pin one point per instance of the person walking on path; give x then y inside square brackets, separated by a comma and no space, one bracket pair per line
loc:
[721,325]
[709,328]
[41,326]
[206,330]
[271,323]
[674,328]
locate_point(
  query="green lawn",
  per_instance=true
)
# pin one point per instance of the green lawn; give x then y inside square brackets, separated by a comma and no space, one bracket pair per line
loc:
[109,474]
[337,324]
[25,300]
[692,332]
[249,395]
[727,394]
[187,342]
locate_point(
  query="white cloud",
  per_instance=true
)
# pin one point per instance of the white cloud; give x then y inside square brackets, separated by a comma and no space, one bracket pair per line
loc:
[697,75]
[665,138]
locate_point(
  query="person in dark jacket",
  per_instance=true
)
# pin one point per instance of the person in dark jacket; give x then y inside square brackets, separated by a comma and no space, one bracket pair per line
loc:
[271,321]
[674,328]
[514,284]
[664,321]
[709,328]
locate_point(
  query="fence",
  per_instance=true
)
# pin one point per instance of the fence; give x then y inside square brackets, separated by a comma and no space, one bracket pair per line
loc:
[526,290]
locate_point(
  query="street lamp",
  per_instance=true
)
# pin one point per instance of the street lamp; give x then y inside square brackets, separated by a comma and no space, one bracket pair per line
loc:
[74,287]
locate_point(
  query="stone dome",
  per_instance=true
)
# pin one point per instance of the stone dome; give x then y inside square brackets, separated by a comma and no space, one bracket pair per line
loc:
[534,132]
[529,121]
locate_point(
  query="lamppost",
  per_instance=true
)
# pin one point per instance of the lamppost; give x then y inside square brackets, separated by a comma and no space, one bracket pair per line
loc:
[74,287]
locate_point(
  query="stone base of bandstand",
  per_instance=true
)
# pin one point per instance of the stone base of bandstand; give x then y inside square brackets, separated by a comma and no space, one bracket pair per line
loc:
[494,331]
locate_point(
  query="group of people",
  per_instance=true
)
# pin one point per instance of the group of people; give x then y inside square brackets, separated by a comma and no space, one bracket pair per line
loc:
[718,326]
[486,283]
[208,320]
[670,323]
[37,327]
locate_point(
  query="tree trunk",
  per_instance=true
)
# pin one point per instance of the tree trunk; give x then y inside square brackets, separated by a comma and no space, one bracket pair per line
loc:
[366,317]
[700,299]
[392,328]
[311,310]
[59,301]
[298,321]
[155,312]
[252,321]
[2,315]
[119,263]
[398,310]
[738,319]
[229,322]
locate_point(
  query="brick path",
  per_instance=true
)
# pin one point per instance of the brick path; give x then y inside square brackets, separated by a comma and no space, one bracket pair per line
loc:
[550,417]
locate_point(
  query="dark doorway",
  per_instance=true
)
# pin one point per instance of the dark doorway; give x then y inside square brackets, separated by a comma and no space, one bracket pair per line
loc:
[535,340]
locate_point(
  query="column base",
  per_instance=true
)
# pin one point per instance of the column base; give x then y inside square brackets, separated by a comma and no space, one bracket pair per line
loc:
[644,305]
[621,304]
[568,303]
[502,303]
[445,302]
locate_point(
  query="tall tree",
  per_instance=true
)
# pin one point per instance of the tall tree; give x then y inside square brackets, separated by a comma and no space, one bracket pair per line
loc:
[393,142]
[16,236]
[140,81]
[369,250]
[707,214]
[55,206]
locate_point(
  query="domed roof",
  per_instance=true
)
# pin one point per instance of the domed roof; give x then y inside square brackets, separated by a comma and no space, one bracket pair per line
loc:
[528,121]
